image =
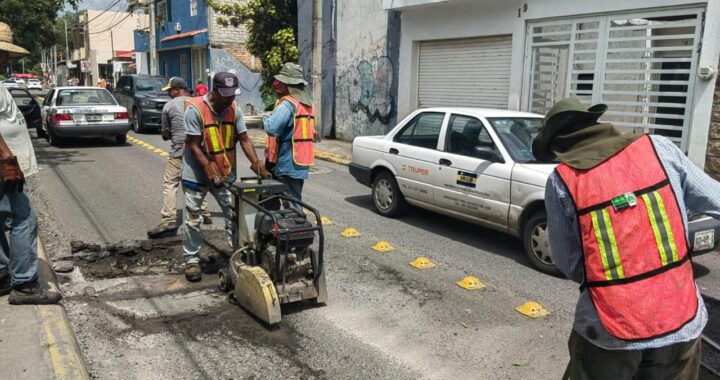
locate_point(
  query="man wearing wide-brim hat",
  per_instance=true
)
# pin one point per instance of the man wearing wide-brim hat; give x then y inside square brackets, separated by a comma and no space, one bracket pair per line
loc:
[289,149]
[617,223]
[17,162]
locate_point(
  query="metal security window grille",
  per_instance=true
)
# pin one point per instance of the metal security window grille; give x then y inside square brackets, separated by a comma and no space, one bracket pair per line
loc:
[193,8]
[639,64]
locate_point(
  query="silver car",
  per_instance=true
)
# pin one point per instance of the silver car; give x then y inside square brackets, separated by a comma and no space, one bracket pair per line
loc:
[82,112]
[476,165]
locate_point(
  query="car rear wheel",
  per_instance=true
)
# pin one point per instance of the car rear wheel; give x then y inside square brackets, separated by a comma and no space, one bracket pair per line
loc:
[537,244]
[40,131]
[387,198]
[121,139]
[137,125]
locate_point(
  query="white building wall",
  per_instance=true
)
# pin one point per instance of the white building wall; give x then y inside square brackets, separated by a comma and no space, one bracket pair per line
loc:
[469,18]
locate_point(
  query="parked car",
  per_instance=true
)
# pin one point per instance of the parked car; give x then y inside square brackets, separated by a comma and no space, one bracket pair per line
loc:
[143,96]
[29,105]
[476,165]
[11,83]
[34,84]
[82,112]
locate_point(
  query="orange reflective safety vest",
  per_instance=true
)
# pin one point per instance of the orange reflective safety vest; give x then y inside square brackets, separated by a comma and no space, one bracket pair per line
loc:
[218,140]
[303,137]
[635,251]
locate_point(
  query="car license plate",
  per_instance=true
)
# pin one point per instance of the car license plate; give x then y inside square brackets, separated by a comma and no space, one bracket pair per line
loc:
[704,240]
[93,118]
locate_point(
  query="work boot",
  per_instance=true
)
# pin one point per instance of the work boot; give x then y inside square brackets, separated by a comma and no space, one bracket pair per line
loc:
[32,293]
[5,283]
[193,273]
[161,229]
[207,219]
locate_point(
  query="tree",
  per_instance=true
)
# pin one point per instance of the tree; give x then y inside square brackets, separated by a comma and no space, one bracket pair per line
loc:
[272,31]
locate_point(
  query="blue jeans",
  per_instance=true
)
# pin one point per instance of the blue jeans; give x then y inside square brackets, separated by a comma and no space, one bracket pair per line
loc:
[192,218]
[21,252]
[295,187]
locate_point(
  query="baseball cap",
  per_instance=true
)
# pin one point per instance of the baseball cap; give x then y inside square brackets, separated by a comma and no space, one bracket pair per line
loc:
[175,82]
[226,84]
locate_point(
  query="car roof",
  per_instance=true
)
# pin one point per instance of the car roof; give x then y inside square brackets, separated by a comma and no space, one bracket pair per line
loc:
[79,88]
[483,112]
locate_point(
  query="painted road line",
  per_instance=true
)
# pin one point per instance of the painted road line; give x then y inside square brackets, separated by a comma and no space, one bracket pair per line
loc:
[63,348]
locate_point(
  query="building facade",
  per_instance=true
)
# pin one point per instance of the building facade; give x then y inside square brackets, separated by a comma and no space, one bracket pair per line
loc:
[104,39]
[192,44]
[641,57]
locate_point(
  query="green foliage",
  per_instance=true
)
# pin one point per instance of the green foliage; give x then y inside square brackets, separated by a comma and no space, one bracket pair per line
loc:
[272,32]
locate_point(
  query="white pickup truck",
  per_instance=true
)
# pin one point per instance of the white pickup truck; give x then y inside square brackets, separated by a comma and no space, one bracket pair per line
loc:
[477,165]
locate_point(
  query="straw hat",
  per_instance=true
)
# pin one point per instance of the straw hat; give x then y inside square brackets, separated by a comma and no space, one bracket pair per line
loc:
[6,42]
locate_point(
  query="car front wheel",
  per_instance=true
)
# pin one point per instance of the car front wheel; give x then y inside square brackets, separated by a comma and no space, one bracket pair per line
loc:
[537,244]
[121,139]
[137,121]
[387,198]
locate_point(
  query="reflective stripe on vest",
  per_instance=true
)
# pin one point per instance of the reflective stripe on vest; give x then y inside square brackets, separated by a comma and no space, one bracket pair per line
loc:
[272,143]
[634,244]
[219,142]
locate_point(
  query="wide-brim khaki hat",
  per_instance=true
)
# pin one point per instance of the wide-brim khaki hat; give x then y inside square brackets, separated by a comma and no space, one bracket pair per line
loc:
[291,74]
[6,42]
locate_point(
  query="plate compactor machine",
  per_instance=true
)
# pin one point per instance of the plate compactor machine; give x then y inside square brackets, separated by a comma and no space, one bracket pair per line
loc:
[279,260]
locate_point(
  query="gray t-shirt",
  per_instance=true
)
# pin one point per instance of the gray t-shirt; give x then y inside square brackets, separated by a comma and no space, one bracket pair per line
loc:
[192,171]
[173,116]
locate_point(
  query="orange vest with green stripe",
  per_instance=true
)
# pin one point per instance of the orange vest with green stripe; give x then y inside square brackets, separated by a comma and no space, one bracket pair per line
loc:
[218,140]
[303,137]
[637,267]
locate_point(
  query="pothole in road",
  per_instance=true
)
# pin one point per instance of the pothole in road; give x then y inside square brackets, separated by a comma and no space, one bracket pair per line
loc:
[144,257]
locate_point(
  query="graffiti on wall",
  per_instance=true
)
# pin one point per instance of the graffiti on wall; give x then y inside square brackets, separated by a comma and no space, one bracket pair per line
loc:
[249,82]
[369,100]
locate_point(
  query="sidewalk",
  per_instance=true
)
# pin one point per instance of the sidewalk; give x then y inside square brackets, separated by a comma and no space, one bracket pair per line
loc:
[336,151]
[37,342]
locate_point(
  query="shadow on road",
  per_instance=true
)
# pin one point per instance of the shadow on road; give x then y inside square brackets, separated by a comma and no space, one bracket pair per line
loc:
[470,234]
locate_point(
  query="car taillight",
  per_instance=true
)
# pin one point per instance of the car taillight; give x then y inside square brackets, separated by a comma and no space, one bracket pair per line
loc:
[62,117]
[122,115]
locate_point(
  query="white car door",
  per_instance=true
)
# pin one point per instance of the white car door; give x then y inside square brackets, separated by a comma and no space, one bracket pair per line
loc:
[473,178]
[47,103]
[413,154]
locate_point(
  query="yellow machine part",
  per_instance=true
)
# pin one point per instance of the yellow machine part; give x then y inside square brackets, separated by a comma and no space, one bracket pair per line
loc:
[255,292]
[532,309]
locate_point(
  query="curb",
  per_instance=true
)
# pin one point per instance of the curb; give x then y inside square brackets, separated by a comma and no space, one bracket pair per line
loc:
[320,155]
[65,355]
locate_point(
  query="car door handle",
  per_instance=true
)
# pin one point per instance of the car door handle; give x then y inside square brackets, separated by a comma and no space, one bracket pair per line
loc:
[394,151]
[445,161]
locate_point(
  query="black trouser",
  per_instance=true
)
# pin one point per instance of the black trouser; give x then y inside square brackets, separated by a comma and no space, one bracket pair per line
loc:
[679,361]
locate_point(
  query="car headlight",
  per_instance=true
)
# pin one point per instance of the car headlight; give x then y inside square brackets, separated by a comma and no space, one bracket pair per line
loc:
[147,103]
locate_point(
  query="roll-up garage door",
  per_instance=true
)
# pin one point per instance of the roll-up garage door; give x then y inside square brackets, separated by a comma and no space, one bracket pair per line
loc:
[472,72]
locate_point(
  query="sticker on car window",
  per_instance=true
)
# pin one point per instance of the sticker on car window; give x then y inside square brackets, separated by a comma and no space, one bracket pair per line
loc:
[466,179]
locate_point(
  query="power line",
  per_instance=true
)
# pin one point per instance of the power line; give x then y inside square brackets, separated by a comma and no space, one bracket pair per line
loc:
[101,13]
[116,24]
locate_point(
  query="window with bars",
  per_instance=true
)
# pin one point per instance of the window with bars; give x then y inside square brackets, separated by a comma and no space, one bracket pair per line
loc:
[640,65]
[193,8]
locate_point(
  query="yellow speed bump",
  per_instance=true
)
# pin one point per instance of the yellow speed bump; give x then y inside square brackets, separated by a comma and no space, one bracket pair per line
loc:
[350,233]
[164,154]
[325,221]
[471,283]
[383,247]
[422,263]
[532,309]
[158,150]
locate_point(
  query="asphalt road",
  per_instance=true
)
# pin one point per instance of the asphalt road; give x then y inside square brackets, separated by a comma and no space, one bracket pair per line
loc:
[384,319]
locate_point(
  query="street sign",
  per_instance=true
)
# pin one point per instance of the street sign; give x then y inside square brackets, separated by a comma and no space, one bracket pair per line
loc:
[85,66]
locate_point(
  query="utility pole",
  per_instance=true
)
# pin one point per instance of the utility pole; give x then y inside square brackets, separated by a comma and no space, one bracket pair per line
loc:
[153,43]
[112,60]
[316,71]
[67,46]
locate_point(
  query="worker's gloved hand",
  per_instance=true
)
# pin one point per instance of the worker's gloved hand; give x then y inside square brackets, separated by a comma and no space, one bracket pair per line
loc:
[258,167]
[213,174]
[231,178]
[11,172]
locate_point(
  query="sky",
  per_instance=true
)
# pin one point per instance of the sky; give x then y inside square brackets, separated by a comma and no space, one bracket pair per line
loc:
[98,4]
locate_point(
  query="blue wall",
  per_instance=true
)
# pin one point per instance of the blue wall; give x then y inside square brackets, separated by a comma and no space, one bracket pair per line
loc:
[172,58]
[179,11]
[142,42]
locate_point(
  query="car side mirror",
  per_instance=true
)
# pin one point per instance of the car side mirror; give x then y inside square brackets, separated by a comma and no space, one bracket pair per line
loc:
[27,102]
[126,88]
[487,153]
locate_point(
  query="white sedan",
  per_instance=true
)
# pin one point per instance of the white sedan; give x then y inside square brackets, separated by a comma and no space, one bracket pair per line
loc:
[476,165]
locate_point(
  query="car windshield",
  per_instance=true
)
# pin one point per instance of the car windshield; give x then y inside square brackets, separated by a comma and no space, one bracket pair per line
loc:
[84,97]
[517,134]
[149,84]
